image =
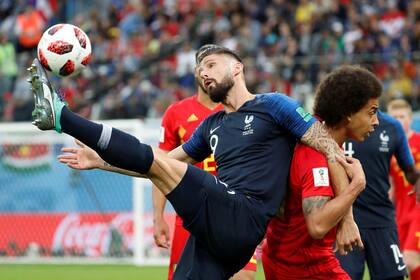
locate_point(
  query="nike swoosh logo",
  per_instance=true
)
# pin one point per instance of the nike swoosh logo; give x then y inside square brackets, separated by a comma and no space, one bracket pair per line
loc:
[231,192]
[401,267]
[214,129]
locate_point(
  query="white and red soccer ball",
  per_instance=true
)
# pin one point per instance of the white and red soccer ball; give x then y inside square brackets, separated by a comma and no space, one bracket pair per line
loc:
[64,49]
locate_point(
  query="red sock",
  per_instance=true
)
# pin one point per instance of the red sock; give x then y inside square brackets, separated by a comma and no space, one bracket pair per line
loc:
[415,274]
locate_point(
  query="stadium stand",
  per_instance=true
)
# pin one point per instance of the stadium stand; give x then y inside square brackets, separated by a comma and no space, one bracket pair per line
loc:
[143,50]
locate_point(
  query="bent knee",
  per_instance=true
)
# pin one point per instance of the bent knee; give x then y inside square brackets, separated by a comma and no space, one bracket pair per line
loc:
[166,173]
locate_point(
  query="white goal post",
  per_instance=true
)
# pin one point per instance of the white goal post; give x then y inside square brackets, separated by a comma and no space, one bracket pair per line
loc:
[51,213]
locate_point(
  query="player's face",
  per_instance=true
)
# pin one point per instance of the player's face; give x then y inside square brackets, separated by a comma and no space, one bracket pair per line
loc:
[199,82]
[404,116]
[362,123]
[216,77]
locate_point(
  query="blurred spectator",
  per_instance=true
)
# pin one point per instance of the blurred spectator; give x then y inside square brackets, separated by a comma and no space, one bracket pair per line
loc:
[302,90]
[143,51]
[401,85]
[304,11]
[22,100]
[8,68]
[29,28]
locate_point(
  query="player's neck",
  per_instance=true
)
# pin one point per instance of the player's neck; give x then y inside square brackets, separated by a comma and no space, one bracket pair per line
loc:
[338,134]
[205,100]
[237,97]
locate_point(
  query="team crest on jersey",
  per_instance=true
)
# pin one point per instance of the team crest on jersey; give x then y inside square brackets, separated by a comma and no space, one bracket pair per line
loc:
[248,125]
[384,146]
[321,178]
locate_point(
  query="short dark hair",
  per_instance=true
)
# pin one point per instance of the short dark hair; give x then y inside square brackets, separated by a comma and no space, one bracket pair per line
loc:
[209,49]
[344,92]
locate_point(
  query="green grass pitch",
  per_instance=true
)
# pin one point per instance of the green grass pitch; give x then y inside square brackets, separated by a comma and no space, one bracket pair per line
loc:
[86,272]
[89,272]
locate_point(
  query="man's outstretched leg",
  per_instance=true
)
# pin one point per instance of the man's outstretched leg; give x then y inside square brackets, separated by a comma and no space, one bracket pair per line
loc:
[114,146]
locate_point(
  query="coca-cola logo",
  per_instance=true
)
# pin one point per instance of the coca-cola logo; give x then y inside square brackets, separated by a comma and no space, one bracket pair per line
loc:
[91,236]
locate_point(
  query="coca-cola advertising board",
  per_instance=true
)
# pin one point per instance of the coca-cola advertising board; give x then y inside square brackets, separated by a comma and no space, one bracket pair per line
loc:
[74,234]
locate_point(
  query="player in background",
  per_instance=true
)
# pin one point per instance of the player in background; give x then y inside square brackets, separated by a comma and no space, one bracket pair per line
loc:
[407,210]
[373,211]
[299,241]
[178,123]
[252,141]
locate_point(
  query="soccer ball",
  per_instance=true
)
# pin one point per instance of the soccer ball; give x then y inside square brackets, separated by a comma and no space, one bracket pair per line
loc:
[64,49]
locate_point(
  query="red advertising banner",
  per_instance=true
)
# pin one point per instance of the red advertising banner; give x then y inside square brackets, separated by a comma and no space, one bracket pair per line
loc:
[73,234]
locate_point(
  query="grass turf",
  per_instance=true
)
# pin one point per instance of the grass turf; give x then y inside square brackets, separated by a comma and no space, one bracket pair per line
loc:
[80,272]
[90,272]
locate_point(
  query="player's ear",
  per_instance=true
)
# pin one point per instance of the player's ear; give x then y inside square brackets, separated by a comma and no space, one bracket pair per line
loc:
[237,68]
[348,119]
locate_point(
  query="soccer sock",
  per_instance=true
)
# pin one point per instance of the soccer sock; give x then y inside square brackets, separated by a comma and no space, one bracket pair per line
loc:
[415,274]
[114,146]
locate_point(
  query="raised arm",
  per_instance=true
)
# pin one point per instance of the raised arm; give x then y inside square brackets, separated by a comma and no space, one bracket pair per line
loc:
[289,114]
[84,158]
[318,138]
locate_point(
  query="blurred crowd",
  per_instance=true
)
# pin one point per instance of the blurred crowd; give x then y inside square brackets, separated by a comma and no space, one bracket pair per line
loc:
[143,50]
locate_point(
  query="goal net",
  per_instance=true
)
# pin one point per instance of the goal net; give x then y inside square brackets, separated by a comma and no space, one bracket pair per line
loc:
[49,212]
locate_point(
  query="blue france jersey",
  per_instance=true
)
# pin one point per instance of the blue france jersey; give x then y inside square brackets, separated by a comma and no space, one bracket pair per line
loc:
[253,147]
[373,208]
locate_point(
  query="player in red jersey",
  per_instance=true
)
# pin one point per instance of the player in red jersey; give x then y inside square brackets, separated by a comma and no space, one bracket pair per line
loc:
[178,123]
[299,241]
[407,210]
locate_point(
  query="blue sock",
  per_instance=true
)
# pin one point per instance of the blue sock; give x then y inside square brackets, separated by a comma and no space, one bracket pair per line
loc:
[114,146]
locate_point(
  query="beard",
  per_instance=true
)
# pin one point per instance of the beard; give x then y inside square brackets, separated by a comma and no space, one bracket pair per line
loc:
[219,92]
[200,84]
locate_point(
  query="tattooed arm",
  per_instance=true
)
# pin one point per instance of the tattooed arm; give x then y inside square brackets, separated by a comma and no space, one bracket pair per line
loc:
[323,213]
[319,138]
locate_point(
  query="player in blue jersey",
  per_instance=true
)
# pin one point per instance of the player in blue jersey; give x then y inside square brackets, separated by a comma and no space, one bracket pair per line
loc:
[252,140]
[373,211]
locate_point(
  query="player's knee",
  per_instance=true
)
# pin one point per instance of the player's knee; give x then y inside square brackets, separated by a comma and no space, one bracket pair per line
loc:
[166,173]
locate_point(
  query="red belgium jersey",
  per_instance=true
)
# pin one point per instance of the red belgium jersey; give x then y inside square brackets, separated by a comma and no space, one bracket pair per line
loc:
[288,245]
[406,207]
[178,124]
